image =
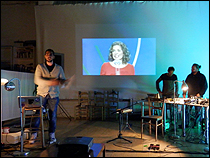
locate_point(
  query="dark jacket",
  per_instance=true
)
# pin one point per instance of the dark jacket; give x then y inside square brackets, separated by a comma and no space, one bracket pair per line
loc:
[196,84]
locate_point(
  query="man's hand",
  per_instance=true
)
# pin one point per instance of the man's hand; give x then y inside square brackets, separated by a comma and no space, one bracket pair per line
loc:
[53,82]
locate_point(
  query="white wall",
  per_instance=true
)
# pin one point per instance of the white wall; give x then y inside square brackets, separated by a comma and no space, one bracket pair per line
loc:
[185,30]
[17,23]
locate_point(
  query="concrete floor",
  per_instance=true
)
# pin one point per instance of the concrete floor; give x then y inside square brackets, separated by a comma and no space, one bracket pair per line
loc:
[192,145]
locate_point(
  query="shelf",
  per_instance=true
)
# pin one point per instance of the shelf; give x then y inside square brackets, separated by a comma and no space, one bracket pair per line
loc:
[24,59]
[26,52]
[18,58]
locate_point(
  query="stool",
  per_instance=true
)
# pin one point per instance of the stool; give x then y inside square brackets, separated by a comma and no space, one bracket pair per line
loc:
[41,126]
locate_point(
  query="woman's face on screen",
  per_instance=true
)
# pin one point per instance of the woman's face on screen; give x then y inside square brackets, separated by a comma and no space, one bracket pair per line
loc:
[117,52]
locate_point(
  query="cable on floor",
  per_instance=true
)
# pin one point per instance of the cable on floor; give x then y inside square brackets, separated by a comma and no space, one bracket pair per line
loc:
[123,147]
[158,151]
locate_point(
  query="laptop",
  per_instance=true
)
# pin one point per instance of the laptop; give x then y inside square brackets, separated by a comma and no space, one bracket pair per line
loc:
[30,101]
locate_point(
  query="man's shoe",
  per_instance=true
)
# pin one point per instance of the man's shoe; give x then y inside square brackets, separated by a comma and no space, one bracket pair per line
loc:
[33,138]
[52,140]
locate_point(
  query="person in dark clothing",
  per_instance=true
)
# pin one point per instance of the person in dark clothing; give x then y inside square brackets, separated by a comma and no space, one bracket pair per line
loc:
[197,86]
[168,87]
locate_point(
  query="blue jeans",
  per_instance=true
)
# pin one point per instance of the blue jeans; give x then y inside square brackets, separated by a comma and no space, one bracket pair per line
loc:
[169,107]
[197,114]
[52,104]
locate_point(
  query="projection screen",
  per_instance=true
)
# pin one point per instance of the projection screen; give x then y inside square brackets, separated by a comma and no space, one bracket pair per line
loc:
[170,33]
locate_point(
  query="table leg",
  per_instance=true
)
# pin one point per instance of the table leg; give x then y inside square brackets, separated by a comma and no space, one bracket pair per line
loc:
[183,120]
[142,108]
[104,152]
[207,124]
[164,117]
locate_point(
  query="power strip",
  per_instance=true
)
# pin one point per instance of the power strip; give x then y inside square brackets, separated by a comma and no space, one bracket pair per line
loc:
[12,138]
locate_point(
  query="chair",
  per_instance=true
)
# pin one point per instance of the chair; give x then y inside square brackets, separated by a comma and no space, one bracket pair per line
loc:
[33,104]
[155,116]
[97,109]
[82,109]
[112,103]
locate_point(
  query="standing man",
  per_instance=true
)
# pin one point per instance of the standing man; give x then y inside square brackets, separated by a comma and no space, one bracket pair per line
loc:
[47,77]
[197,86]
[168,87]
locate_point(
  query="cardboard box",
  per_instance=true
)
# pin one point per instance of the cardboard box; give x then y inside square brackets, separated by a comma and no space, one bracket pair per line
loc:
[12,138]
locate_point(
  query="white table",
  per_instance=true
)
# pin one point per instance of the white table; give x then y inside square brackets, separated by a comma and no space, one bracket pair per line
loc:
[191,102]
[181,101]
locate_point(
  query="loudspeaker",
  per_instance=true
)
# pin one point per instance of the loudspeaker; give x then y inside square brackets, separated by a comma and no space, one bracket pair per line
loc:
[75,147]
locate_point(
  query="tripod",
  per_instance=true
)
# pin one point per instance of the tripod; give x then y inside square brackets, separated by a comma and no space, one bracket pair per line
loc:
[120,125]
[64,111]
[127,125]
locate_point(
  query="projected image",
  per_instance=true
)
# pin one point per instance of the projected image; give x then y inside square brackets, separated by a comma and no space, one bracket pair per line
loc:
[119,56]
